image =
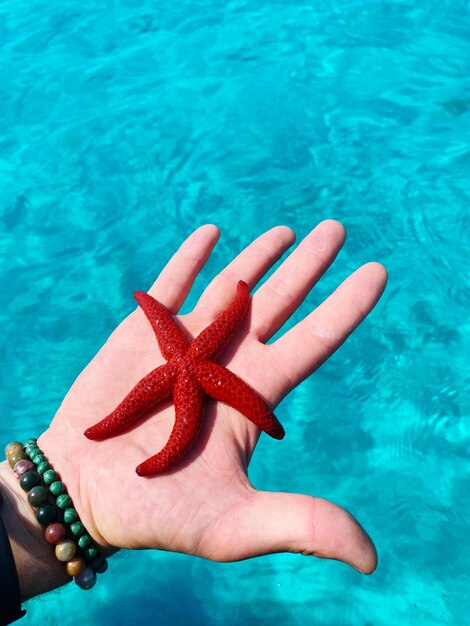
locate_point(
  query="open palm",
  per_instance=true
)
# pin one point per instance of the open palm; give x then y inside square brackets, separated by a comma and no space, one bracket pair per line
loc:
[206,505]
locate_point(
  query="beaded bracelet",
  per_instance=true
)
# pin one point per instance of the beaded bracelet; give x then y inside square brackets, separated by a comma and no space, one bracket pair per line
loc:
[54,510]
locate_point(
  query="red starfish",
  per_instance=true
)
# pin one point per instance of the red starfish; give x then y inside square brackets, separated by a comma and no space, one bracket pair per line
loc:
[190,372]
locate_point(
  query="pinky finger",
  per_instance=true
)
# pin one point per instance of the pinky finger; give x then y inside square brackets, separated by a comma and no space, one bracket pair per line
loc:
[177,277]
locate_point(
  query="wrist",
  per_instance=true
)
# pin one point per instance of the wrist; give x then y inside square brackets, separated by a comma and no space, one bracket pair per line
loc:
[38,569]
[70,471]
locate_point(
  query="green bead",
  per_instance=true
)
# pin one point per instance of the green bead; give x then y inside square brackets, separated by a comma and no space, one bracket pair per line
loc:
[46,514]
[17,455]
[50,476]
[57,487]
[37,458]
[85,541]
[37,495]
[30,441]
[102,568]
[29,480]
[89,553]
[77,528]
[42,467]
[70,515]
[64,501]
[97,562]
[31,451]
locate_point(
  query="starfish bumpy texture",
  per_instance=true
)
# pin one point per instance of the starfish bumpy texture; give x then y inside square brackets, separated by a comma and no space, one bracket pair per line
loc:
[189,374]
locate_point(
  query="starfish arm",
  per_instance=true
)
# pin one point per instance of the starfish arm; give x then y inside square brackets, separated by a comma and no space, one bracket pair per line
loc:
[171,338]
[189,407]
[223,385]
[148,392]
[210,342]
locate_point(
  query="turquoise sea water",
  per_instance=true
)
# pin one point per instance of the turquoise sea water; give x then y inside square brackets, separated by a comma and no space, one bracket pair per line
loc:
[124,125]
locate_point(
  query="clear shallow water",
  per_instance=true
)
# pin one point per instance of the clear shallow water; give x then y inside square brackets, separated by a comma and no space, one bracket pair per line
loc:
[124,126]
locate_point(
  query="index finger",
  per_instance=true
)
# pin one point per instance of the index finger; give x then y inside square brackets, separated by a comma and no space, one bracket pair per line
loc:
[308,344]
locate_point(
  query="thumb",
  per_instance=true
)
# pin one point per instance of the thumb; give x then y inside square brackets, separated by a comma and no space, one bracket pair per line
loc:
[283,522]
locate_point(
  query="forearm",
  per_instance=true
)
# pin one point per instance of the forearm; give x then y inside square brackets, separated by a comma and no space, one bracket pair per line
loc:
[38,569]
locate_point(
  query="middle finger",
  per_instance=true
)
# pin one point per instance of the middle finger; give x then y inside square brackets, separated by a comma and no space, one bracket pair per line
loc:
[282,293]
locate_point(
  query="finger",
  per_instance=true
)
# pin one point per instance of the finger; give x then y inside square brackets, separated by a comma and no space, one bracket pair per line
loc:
[250,265]
[283,522]
[303,348]
[282,293]
[177,277]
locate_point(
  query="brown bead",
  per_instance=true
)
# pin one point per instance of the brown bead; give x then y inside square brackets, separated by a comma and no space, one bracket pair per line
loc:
[65,550]
[75,566]
[12,448]
[17,455]
[54,533]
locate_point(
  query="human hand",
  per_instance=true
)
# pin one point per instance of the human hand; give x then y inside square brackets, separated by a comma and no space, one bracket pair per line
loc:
[207,506]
